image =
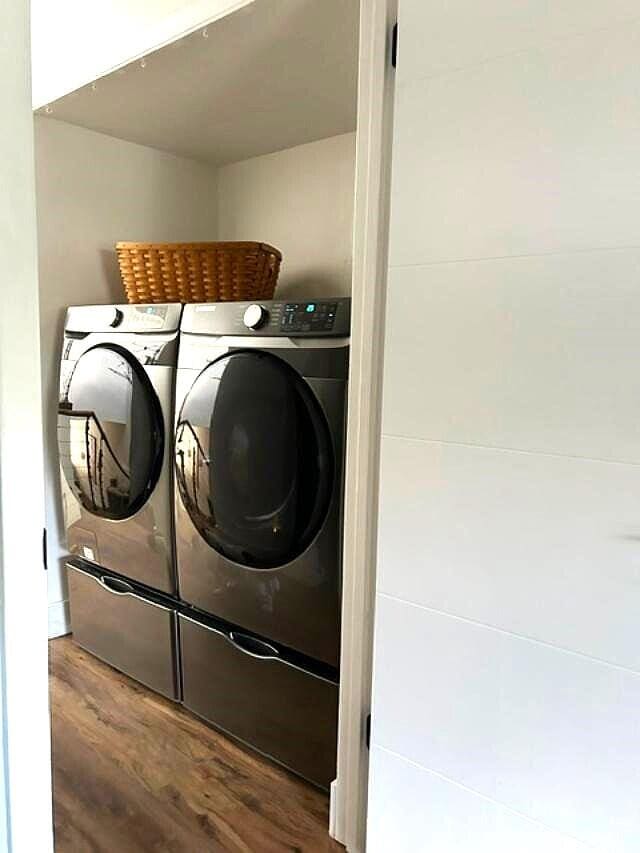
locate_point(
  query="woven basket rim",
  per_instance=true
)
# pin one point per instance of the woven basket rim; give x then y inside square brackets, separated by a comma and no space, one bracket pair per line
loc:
[239,245]
[213,270]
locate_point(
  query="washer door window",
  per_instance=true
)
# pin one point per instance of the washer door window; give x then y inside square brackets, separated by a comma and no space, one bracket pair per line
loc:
[254,459]
[110,433]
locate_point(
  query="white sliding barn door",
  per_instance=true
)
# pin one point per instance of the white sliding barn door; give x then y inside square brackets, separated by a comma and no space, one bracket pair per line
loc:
[506,698]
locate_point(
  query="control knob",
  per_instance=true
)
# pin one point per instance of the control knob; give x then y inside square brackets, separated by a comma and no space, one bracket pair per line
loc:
[117,318]
[255,316]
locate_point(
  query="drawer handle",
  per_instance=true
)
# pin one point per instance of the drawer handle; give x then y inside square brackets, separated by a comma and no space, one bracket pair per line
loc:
[253,647]
[116,586]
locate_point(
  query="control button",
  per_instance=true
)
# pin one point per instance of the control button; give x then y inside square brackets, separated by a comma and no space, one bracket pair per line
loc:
[118,317]
[255,316]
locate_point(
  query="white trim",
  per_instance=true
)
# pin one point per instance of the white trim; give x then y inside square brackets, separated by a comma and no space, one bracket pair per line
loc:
[332,808]
[373,158]
[59,619]
[26,742]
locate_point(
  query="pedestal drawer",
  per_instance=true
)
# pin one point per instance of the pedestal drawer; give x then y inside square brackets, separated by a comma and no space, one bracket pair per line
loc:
[250,690]
[125,627]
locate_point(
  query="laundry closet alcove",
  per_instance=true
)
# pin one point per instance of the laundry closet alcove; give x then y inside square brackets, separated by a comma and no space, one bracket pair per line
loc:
[249,127]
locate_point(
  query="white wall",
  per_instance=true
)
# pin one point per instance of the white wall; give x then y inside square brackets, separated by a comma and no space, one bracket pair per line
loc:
[507,674]
[25,746]
[301,201]
[94,190]
[75,42]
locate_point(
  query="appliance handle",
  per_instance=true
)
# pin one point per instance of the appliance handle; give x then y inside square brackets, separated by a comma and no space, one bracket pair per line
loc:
[253,647]
[116,586]
[273,653]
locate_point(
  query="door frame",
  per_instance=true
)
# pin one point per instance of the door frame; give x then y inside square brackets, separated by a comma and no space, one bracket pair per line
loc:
[25,743]
[376,83]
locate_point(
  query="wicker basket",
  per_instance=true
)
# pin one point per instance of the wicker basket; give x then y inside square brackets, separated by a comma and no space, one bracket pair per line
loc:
[198,272]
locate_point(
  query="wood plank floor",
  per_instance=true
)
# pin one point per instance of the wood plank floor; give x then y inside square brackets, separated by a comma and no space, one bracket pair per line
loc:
[134,773]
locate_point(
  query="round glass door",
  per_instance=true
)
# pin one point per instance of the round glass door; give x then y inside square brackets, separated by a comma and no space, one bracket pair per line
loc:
[110,433]
[254,459]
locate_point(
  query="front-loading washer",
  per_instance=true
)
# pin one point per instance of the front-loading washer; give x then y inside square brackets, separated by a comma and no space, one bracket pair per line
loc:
[115,428]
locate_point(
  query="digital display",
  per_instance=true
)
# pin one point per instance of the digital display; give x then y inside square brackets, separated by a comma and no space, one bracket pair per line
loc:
[308,316]
[149,317]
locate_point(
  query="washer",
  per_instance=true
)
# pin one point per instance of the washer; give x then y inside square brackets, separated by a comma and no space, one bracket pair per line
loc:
[115,423]
[259,445]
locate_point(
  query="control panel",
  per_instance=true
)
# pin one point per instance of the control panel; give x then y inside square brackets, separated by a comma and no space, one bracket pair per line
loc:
[123,318]
[313,318]
[308,316]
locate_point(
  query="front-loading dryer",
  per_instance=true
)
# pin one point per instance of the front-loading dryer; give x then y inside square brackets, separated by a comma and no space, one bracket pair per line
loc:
[259,446]
[115,428]
[260,403]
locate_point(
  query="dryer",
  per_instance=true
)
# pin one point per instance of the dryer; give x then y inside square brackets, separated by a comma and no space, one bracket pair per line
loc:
[259,450]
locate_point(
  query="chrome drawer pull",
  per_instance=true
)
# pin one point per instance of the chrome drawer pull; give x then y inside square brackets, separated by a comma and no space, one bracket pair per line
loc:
[116,586]
[253,647]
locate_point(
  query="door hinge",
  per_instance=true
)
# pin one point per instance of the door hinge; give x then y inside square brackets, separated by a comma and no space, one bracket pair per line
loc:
[367,731]
[44,548]
[394,45]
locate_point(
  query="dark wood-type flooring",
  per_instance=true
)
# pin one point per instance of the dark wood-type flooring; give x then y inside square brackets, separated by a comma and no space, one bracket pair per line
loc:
[133,772]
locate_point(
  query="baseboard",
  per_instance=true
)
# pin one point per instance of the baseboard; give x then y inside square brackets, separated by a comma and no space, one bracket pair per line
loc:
[59,619]
[333,809]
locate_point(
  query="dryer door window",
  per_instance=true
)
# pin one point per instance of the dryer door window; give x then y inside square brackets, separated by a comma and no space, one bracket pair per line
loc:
[110,433]
[254,459]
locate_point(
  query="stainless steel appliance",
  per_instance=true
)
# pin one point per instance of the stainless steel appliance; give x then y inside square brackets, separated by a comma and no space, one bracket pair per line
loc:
[129,627]
[115,433]
[259,447]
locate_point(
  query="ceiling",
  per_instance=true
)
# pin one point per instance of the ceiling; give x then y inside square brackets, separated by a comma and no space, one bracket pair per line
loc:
[274,74]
